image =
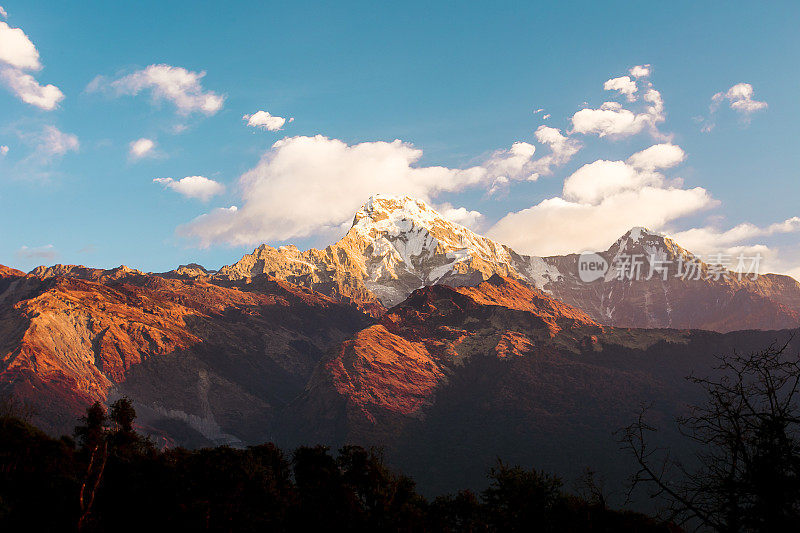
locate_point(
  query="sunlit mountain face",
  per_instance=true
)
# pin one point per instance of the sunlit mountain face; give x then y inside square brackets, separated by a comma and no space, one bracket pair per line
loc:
[264,260]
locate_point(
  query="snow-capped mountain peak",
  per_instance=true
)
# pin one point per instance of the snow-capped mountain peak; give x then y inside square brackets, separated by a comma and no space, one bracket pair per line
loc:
[415,229]
[402,243]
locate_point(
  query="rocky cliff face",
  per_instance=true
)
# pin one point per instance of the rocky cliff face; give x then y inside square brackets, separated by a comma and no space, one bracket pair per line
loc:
[390,372]
[397,245]
[196,357]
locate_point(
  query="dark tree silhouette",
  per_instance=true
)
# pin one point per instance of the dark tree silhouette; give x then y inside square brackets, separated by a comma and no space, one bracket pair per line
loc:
[117,481]
[92,437]
[747,435]
[521,500]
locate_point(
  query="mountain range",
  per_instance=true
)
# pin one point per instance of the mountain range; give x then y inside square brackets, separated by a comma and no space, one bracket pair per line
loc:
[411,332]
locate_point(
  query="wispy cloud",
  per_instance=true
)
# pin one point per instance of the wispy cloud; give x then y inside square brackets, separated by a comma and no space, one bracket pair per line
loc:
[45,253]
[740,99]
[177,85]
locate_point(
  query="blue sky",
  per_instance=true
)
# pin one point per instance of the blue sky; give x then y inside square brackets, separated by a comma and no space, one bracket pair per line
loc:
[459,82]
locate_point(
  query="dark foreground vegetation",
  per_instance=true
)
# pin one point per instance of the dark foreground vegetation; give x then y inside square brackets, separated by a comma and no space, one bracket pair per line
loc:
[745,476]
[109,478]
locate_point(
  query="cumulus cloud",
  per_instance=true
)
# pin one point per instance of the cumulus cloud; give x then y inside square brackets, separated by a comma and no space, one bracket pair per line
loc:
[17,50]
[559,226]
[198,187]
[514,162]
[624,85]
[740,98]
[45,253]
[263,120]
[517,163]
[306,185]
[18,54]
[310,185]
[658,156]
[461,215]
[640,71]
[595,181]
[141,148]
[599,202]
[613,120]
[562,148]
[177,85]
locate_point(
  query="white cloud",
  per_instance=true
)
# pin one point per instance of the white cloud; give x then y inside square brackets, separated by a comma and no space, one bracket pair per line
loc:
[39,253]
[262,119]
[559,226]
[53,143]
[562,148]
[47,146]
[177,85]
[141,148]
[624,85]
[709,239]
[514,162]
[3,150]
[599,202]
[545,117]
[461,215]
[657,156]
[740,97]
[3,13]
[499,185]
[29,91]
[598,180]
[640,71]
[308,185]
[18,54]
[198,187]
[16,49]
[612,120]
[727,245]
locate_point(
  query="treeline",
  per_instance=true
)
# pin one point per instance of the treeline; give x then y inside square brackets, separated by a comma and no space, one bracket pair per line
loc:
[110,478]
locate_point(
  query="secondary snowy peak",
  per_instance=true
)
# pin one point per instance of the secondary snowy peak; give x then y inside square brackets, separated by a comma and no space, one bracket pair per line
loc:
[639,239]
